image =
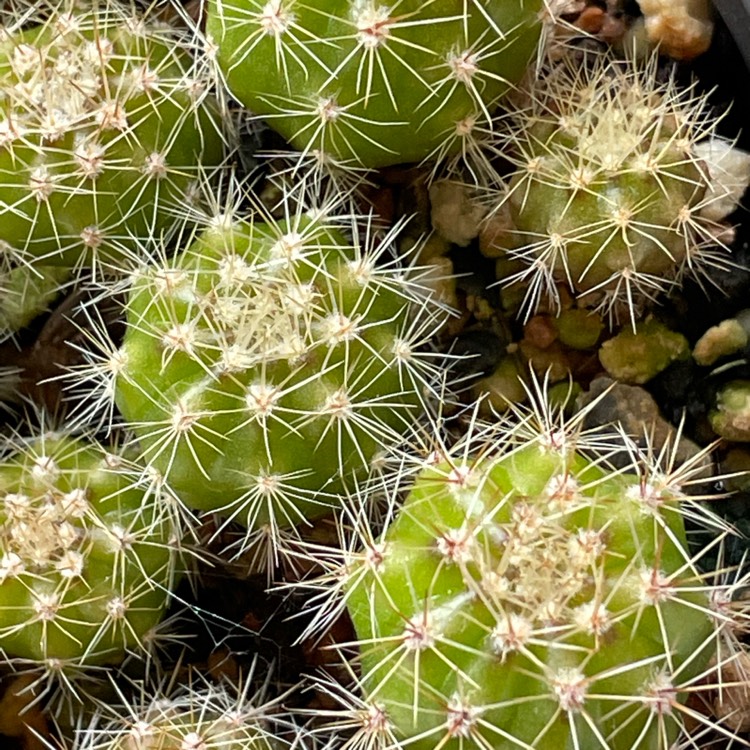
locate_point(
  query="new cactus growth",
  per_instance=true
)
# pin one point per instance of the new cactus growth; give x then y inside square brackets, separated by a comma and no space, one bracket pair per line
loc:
[528,595]
[609,195]
[370,83]
[206,717]
[88,553]
[264,367]
[105,122]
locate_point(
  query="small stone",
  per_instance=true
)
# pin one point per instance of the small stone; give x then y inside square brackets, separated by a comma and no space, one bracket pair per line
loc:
[456,216]
[637,356]
[731,418]
[728,337]
[729,173]
[682,28]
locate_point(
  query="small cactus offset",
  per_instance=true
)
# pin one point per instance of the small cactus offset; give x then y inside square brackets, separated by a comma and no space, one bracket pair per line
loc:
[191,717]
[105,122]
[528,595]
[609,196]
[370,83]
[264,368]
[88,553]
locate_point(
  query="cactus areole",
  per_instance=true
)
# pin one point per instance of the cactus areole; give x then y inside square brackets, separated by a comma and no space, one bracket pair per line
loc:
[373,83]
[532,600]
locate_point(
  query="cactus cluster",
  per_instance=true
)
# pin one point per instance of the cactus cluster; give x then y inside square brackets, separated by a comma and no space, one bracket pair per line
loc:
[370,83]
[274,364]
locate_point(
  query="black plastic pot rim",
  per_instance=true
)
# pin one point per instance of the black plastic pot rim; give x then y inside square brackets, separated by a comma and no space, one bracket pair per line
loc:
[736,15]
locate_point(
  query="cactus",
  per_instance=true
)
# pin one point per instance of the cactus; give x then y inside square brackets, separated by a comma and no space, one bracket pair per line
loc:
[369,83]
[609,195]
[26,292]
[105,122]
[526,594]
[198,716]
[264,367]
[88,553]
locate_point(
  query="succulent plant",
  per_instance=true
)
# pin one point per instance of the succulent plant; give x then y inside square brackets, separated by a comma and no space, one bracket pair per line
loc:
[527,594]
[370,84]
[28,291]
[265,366]
[88,553]
[106,120]
[609,195]
[196,716]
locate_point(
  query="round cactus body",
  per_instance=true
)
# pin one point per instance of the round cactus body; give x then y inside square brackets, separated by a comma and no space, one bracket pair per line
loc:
[104,119]
[374,83]
[609,196]
[532,599]
[209,718]
[87,553]
[268,364]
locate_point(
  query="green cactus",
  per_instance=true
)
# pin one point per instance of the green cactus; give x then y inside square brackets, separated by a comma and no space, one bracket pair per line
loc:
[264,367]
[609,195]
[88,553]
[202,717]
[370,84]
[105,122]
[528,595]
[28,291]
